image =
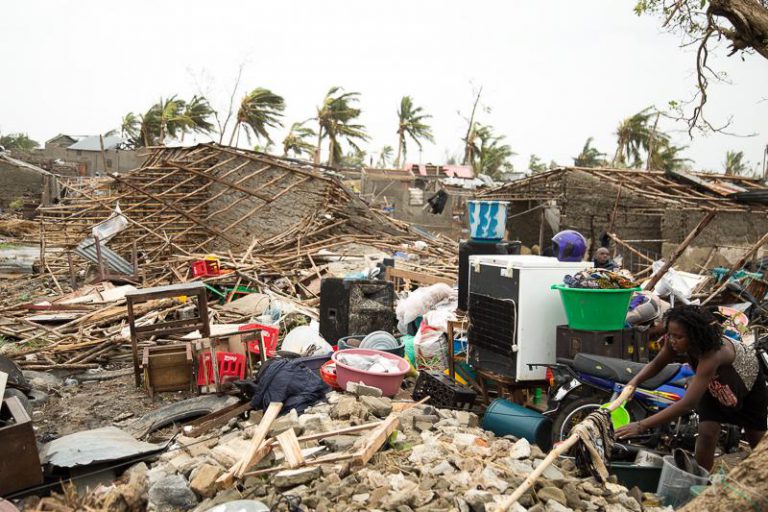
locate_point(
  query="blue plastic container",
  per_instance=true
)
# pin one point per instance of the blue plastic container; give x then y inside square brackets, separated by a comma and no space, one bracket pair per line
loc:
[505,418]
[487,220]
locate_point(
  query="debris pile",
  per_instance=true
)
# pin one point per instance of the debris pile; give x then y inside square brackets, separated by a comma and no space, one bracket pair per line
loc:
[437,459]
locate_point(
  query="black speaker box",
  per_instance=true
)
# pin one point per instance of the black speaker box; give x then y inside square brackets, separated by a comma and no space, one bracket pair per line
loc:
[355,307]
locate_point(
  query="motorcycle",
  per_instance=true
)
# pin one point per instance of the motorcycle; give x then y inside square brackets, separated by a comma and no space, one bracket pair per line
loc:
[583,384]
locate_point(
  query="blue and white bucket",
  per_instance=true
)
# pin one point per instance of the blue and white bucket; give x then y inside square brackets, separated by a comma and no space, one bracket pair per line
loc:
[487,219]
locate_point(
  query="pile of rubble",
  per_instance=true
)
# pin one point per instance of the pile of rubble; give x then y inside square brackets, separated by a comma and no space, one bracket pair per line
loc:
[438,459]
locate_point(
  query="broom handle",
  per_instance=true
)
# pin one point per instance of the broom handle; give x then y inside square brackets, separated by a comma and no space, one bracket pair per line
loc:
[563,447]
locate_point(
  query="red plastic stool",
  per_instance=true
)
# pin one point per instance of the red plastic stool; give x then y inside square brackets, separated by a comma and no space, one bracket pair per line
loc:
[269,335]
[230,367]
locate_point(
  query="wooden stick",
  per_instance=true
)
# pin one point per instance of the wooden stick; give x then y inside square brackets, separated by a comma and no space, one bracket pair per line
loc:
[680,249]
[736,266]
[554,454]
[628,247]
[258,437]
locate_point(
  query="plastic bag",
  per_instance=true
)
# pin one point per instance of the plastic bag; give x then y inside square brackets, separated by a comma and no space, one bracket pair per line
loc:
[419,302]
[431,348]
[113,225]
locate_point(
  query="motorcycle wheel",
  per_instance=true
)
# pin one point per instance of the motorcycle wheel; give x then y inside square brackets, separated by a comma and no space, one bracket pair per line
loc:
[571,413]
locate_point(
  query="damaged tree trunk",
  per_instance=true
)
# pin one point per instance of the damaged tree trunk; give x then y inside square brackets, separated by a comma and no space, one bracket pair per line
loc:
[750,24]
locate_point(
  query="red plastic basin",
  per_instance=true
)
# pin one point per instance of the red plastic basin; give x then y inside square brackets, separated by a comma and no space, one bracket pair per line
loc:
[388,383]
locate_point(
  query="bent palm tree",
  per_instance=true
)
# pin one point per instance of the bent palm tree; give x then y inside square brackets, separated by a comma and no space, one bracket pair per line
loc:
[385,157]
[632,135]
[296,141]
[590,156]
[18,141]
[171,117]
[490,155]
[734,164]
[259,110]
[335,118]
[411,124]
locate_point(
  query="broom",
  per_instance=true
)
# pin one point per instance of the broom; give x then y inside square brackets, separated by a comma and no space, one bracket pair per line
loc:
[558,451]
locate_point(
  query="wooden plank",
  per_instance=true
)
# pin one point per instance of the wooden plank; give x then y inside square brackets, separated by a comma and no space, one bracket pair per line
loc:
[289,444]
[680,249]
[418,277]
[258,437]
[377,438]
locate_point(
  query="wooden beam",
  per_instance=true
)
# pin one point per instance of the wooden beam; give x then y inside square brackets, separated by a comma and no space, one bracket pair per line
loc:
[179,211]
[736,266]
[212,177]
[259,436]
[703,223]
[289,444]
[628,247]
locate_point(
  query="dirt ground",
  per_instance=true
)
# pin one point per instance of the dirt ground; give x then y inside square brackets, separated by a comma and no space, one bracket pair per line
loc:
[94,404]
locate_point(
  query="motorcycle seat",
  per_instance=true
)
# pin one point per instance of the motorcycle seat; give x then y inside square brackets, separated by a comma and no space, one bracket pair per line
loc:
[620,370]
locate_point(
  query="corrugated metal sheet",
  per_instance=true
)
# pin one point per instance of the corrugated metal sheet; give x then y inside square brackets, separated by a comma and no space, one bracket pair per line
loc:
[92,446]
[87,249]
[92,143]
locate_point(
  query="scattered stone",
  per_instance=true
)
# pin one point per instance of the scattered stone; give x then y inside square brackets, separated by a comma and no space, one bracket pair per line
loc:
[139,469]
[379,407]
[536,452]
[204,480]
[286,422]
[537,508]
[467,419]
[345,408]
[522,467]
[521,449]
[294,477]
[552,493]
[551,472]
[477,499]
[196,447]
[442,468]
[360,389]
[554,506]
[312,423]
[339,443]
[572,498]
[171,493]
[491,480]
[122,417]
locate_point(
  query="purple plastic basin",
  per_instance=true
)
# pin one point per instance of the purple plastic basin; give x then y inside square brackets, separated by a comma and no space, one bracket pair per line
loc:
[388,383]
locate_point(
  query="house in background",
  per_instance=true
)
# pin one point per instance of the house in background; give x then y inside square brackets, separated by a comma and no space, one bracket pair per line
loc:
[24,187]
[652,211]
[403,194]
[85,151]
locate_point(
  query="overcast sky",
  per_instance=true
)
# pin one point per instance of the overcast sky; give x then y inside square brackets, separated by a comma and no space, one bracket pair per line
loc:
[553,72]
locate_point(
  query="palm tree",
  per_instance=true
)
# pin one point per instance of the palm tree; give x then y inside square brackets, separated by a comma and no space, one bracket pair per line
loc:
[169,118]
[385,157]
[590,156]
[411,123]
[335,118]
[632,135]
[129,126]
[665,157]
[734,164]
[296,141]
[490,155]
[259,110]
[535,164]
[18,141]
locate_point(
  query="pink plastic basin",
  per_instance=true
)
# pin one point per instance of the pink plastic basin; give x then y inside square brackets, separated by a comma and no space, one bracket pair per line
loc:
[388,383]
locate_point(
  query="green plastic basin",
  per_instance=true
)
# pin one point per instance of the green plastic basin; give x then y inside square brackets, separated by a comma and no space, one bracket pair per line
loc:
[595,310]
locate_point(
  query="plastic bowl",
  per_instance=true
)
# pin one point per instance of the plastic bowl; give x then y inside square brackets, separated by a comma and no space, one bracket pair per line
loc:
[595,309]
[343,345]
[388,383]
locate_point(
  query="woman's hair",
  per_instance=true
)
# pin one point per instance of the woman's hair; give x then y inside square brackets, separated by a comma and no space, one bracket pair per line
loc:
[703,330]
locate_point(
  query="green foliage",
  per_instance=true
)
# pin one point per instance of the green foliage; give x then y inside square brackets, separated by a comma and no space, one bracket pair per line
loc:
[18,141]
[639,141]
[355,158]
[590,156]
[411,123]
[536,165]
[16,204]
[336,118]
[260,109]
[734,164]
[296,143]
[385,157]
[489,154]
[168,118]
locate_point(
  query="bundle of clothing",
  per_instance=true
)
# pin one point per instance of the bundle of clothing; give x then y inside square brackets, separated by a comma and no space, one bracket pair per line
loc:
[599,278]
[287,381]
[596,440]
